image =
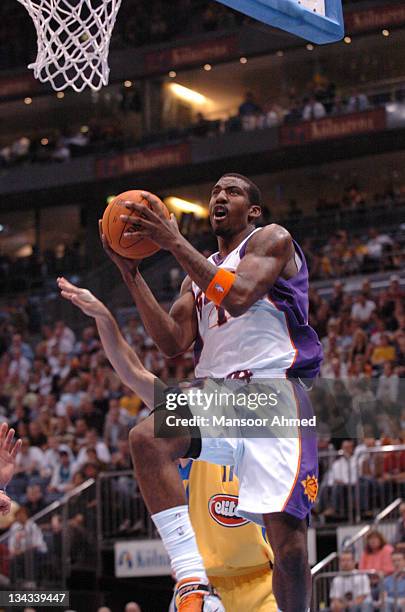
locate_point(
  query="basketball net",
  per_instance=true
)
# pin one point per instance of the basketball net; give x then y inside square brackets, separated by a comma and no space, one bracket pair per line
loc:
[73,41]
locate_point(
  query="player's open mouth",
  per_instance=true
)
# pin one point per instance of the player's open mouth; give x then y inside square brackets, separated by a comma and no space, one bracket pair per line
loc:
[219,212]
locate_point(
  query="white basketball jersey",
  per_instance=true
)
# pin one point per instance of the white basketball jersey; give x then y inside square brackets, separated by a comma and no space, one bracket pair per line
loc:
[257,340]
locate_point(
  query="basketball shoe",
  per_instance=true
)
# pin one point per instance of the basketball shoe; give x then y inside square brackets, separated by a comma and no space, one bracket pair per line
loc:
[192,595]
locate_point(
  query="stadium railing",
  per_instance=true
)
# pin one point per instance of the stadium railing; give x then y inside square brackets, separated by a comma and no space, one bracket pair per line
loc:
[121,510]
[323,582]
[384,482]
[368,493]
[329,565]
[62,540]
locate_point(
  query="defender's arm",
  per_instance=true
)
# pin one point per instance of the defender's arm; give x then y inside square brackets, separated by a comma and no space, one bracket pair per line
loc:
[122,357]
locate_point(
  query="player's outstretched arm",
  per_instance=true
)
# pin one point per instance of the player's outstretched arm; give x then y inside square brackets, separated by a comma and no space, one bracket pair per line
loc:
[122,357]
[172,332]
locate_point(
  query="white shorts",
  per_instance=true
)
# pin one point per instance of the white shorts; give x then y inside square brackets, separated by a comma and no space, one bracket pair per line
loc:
[278,473]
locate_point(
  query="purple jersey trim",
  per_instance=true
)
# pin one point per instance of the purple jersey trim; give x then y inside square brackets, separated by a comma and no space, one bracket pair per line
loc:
[299,503]
[291,297]
[218,259]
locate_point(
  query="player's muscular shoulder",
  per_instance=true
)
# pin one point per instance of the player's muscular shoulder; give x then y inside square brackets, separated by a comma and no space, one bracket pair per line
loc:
[273,240]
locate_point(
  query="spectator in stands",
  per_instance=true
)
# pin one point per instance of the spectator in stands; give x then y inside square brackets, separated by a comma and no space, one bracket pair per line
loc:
[20,149]
[394,585]
[25,538]
[377,554]
[200,126]
[343,474]
[399,538]
[376,245]
[294,114]
[350,592]
[388,385]
[61,153]
[93,443]
[313,109]
[121,459]
[358,102]
[339,107]
[34,501]
[363,309]
[62,338]
[61,476]
[273,114]
[249,106]
[115,425]
[380,353]
[19,365]
[31,460]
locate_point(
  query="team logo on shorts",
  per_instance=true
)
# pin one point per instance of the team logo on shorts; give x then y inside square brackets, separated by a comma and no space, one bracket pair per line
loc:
[222,509]
[310,485]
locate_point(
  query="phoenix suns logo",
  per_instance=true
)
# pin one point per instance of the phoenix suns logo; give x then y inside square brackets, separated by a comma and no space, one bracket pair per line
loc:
[222,509]
[310,485]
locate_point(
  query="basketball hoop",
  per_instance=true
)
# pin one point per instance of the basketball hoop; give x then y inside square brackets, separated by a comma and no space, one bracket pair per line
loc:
[73,41]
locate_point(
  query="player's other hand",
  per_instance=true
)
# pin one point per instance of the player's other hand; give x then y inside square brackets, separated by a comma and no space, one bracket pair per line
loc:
[8,454]
[82,298]
[127,267]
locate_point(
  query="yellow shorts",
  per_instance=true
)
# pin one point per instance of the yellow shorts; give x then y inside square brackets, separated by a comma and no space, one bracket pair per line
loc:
[249,593]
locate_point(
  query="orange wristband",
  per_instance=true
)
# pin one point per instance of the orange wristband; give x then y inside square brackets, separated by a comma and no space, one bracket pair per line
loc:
[220,286]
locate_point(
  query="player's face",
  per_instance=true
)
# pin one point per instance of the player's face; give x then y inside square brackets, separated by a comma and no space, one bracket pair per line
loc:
[229,206]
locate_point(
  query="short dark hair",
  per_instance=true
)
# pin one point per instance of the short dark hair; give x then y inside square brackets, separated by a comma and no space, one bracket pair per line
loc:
[255,196]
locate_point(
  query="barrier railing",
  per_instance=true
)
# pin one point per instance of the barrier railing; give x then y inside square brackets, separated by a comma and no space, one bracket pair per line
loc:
[373,479]
[43,550]
[379,478]
[121,511]
[329,564]
[349,587]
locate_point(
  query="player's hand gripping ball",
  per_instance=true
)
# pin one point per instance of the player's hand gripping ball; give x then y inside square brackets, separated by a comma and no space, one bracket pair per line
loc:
[132,247]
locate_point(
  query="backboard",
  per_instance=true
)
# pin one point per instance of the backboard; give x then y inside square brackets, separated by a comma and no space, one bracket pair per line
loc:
[319,21]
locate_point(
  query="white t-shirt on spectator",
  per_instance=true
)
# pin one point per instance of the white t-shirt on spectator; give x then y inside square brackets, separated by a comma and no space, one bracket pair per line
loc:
[313,111]
[69,399]
[388,388]
[26,537]
[34,458]
[363,312]
[65,343]
[20,366]
[358,585]
[344,470]
[103,454]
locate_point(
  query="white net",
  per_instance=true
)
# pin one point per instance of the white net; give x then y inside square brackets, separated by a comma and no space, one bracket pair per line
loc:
[73,41]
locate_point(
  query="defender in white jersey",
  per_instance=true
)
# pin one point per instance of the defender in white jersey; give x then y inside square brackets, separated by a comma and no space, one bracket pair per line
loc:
[246,308]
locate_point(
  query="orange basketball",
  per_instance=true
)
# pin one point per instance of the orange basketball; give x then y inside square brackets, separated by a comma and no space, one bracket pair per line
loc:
[113,228]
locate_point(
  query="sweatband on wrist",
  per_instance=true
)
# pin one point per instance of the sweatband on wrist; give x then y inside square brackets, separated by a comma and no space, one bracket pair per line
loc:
[220,286]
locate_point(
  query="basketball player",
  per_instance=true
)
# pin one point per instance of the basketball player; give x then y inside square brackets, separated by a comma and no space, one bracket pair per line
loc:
[8,455]
[236,556]
[247,306]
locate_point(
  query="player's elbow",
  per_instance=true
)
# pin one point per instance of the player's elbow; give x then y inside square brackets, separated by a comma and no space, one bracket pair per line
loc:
[238,302]
[236,310]
[172,350]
